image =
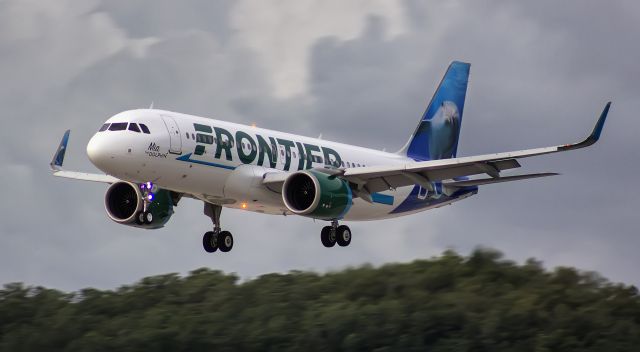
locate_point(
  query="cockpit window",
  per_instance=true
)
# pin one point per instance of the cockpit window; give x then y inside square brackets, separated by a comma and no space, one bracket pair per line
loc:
[104,127]
[133,127]
[118,126]
[144,128]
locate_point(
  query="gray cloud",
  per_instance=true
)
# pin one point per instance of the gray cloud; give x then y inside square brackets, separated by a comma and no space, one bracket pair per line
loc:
[539,77]
[166,18]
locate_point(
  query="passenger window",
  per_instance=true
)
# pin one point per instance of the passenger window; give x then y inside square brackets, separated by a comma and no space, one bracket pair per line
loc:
[281,152]
[294,155]
[343,164]
[187,135]
[144,128]
[104,127]
[133,127]
[118,126]
[193,136]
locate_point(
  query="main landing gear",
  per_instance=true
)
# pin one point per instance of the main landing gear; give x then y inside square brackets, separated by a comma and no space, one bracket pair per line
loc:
[216,239]
[340,234]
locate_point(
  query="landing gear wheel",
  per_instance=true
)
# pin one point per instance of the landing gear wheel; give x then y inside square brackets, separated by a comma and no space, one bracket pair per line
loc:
[148,217]
[210,242]
[328,236]
[225,241]
[343,235]
[140,218]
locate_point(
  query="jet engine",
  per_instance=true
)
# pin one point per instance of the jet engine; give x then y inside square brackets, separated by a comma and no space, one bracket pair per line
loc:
[317,195]
[123,203]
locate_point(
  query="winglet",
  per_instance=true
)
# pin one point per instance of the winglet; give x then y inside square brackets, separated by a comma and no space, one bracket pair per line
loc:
[58,157]
[595,134]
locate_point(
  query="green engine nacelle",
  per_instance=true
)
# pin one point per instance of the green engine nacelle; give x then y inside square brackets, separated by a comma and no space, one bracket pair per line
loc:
[123,201]
[317,195]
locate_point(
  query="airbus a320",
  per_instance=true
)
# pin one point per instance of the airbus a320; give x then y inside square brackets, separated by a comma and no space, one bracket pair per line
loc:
[153,158]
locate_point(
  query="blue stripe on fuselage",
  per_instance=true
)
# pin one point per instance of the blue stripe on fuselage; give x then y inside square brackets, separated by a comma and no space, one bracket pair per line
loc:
[187,158]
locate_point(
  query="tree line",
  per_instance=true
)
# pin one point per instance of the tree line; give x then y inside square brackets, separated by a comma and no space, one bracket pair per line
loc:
[479,302]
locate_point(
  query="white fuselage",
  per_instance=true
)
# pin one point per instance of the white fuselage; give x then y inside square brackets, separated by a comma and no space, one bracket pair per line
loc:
[223,162]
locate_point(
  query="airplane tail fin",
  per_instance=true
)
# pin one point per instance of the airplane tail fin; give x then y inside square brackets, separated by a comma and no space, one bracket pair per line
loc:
[436,136]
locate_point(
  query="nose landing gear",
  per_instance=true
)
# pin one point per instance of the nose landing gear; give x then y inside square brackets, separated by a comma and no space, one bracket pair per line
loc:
[340,234]
[216,239]
[145,216]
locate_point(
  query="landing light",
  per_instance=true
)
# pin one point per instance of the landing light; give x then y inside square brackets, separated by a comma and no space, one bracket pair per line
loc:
[150,196]
[149,185]
[243,205]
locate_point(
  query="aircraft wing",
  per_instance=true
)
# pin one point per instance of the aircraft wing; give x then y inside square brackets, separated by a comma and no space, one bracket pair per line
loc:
[372,179]
[380,178]
[58,159]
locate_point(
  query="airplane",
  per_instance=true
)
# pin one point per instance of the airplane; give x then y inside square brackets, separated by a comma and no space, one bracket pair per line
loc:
[153,158]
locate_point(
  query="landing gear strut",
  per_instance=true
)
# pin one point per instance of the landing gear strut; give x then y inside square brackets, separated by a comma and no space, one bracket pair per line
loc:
[216,239]
[340,234]
[146,216]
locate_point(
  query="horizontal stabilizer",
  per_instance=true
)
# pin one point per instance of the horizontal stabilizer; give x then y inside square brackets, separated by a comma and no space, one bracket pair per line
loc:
[486,181]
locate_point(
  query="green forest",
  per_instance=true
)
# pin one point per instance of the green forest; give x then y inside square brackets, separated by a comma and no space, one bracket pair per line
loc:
[479,302]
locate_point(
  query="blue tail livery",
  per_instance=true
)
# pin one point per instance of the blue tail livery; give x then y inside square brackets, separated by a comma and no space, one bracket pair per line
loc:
[436,136]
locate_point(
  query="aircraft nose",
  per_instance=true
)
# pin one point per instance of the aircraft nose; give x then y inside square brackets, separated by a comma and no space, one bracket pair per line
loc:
[97,151]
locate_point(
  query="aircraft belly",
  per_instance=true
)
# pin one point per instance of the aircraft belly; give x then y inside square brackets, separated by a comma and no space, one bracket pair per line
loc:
[383,204]
[205,180]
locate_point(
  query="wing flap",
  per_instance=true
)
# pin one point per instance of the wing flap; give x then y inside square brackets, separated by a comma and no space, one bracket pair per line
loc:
[487,181]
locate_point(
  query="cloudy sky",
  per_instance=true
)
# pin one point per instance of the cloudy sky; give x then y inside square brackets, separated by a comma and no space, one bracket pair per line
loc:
[356,71]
